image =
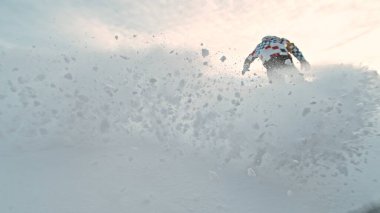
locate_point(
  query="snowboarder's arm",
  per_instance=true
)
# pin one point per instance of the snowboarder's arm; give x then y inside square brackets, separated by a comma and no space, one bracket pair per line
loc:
[250,58]
[293,49]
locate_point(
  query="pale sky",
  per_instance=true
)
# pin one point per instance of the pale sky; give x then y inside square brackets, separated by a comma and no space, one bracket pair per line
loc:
[325,31]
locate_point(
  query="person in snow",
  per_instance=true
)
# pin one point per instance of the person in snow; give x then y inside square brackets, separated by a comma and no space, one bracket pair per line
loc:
[274,52]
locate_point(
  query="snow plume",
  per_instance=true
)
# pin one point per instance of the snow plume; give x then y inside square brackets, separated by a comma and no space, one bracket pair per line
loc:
[158,131]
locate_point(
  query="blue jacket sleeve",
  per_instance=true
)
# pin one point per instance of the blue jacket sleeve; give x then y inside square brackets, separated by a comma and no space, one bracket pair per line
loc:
[293,49]
[250,58]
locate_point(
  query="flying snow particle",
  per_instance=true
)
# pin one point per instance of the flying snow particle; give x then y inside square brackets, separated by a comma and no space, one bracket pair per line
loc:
[104,126]
[205,52]
[40,77]
[223,58]
[306,111]
[213,175]
[124,57]
[251,172]
[69,76]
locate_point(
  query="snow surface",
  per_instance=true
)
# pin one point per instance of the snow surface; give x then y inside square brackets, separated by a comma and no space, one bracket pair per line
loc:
[106,109]
[150,132]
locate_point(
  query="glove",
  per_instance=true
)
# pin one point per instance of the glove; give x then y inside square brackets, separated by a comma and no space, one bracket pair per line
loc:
[245,69]
[305,66]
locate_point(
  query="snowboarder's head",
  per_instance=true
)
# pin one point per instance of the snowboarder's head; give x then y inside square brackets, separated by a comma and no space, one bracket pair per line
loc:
[268,37]
[265,38]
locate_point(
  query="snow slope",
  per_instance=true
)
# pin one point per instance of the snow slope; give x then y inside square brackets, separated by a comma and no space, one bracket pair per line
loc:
[151,132]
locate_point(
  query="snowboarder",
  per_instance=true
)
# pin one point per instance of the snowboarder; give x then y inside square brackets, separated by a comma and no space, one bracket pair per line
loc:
[274,52]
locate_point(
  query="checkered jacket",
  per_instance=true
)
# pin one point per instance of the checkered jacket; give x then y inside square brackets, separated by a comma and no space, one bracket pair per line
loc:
[273,46]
